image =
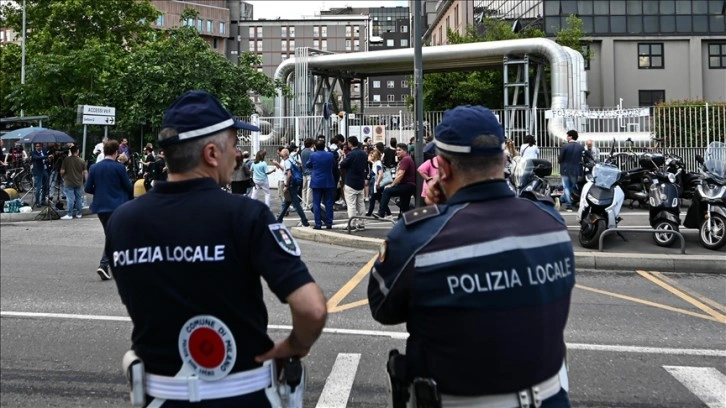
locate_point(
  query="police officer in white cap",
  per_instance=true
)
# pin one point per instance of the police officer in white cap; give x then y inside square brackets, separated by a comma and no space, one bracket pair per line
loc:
[482,280]
[187,261]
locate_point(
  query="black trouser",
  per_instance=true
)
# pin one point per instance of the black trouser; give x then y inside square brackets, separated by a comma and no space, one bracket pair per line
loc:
[403,191]
[103,217]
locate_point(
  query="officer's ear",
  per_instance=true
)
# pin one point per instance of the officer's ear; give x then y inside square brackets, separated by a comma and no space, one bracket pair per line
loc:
[211,155]
[444,168]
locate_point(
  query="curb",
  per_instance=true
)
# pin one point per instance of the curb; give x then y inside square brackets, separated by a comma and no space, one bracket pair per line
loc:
[30,216]
[600,261]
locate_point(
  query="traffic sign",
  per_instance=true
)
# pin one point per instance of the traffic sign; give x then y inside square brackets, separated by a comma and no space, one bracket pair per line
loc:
[99,110]
[98,120]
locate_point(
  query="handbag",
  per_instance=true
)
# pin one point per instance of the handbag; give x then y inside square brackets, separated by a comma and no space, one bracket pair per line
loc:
[386,179]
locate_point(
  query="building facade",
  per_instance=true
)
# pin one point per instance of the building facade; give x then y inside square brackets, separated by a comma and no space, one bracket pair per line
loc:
[213,22]
[642,51]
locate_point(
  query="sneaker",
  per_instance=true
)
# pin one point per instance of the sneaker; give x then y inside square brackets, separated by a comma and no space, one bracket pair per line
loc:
[67,217]
[103,273]
[569,209]
[376,215]
[79,216]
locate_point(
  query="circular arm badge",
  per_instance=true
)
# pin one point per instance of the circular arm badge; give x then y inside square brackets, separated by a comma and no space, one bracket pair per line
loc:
[207,347]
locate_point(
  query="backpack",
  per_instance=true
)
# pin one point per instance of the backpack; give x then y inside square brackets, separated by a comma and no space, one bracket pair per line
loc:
[246,171]
[296,171]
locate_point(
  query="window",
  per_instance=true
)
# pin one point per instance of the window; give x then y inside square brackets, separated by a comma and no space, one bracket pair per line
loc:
[316,31]
[251,32]
[404,43]
[324,31]
[160,21]
[391,98]
[214,43]
[376,98]
[717,55]
[199,25]
[189,22]
[348,30]
[325,45]
[390,84]
[404,98]
[404,83]
[456,16]
[291,30]
[586,50]
[292,45]
[376,84]
[259,45]
[448,26]
[356,31]
[283,45]
[404,28]
[283,31]
[390,42]
[252,45]
[347,45]
[650,55]
[316,43]
[356,45]
[209,26]
[650,97]
[356,87]
[221,28]
[259,32]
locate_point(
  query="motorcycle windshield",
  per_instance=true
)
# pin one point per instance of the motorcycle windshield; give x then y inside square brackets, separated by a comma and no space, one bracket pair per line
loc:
[715,159]
[605,175]
[522,171]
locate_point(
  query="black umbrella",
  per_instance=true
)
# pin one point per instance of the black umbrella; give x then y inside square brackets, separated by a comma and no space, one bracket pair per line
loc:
[46,136]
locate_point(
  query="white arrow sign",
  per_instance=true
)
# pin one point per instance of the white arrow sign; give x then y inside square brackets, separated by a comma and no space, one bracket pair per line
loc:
[98,120]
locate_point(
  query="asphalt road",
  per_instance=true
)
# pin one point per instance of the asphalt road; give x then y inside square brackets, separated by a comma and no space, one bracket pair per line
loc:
[636,339]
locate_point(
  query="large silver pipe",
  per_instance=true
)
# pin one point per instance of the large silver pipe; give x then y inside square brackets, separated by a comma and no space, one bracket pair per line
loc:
[446,58]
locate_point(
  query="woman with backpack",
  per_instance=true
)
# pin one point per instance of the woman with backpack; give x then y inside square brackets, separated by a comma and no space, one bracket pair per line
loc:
[242,175]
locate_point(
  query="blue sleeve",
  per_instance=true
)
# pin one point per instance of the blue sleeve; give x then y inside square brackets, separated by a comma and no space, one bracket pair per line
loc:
[90,187]
[390,279]
[126,183]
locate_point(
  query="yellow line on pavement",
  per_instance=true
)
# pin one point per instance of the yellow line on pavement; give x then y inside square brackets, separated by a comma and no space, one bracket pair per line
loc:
[646,302]
[350,285]
[718,316]
[721,308]
[350,305]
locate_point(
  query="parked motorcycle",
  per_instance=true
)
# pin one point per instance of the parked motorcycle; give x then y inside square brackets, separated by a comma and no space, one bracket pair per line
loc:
[528,177]
[707,211]
[588,162]
[600,202]
[663,197]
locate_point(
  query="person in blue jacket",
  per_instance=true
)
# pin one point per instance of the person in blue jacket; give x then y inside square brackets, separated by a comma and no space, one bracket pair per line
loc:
[111,187]
[322,183]
[570,159]
[39,157]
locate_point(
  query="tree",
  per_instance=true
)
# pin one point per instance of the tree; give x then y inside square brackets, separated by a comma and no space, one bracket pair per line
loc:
[10,68]
[571,36]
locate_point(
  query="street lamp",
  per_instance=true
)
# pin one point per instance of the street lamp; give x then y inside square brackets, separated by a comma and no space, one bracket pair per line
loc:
[22,60]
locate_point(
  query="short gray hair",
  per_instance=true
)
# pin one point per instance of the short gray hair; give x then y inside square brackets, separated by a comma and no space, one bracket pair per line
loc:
[182,157]
[477,166]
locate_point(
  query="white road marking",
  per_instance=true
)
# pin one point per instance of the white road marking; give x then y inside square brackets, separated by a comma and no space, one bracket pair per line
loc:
[340,381]
[707,383]
[399,335]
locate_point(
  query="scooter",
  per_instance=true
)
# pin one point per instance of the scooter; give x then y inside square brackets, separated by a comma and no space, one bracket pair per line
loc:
[528,177]
[707,211]
[663,198]
[600,202]
[588,162]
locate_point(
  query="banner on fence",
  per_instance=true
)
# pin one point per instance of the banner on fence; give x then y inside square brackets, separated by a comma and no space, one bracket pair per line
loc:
[597,114]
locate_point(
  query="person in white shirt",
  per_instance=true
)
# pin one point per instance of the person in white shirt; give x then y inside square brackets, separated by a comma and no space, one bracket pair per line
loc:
[593,150]
[98,150]
[529,149]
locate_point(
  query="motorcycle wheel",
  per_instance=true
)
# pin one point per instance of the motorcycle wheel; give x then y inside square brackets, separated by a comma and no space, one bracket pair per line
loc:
[590,233]
[665,239]
[714,238]
[25,183]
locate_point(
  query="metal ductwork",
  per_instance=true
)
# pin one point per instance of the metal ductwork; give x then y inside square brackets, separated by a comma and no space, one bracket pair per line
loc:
[457,57]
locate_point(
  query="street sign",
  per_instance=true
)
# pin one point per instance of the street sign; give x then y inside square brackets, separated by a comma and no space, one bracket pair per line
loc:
[99,110]
[98,120]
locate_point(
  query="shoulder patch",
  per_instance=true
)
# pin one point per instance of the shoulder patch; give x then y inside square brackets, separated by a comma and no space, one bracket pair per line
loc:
[284,239]
[419,214]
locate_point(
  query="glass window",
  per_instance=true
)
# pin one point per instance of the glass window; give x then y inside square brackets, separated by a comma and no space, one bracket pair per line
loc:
[617,24]
[356,31]
[283,45]
[324,31]
[568,7]
[587,24]
[348,31]
[552,25]
[617,7]
[601,24]
[347,45]
[316,31]
[601,8]
[316,43]
[700,24]
[650,24]
[717,23]
[552,8]
[160,20]
[222,28]
[667,7]
[391,98]
[700,6]
[650,55]
[190,22]
[586,50]
[376,98]
[259,45]
[717,55]
[683,24]
[209,26]
[404,83]
[635,24]
[376,84]
[324,45]
[715,7]
[668,24]
[584,7]
[650,7]
[650,97]
[634,7]
[404,98]
[683,7]
[390,84]
[390,42]
[251,32]
[356,87]
[214,43]
[404,43]
[251,46]
[283,31]
[404,28]
[291,31]
[259,32]
[292,45]
[356,45]
[199,25]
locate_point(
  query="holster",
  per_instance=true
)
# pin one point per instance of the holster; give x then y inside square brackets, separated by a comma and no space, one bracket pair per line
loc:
[292,382]
[396,369]
[133,368]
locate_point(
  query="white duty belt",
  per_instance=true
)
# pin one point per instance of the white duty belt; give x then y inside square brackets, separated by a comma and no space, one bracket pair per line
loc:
[529,397]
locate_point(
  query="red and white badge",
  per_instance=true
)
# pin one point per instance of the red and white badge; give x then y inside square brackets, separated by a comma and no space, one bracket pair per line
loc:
[207,347]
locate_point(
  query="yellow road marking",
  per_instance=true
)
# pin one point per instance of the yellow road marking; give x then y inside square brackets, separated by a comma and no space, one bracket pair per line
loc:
[350,305]
[721,308]
[718,316]
[646,302]
[349,286]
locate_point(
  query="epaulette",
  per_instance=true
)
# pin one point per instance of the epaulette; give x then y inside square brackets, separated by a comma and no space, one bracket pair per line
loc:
[419,214]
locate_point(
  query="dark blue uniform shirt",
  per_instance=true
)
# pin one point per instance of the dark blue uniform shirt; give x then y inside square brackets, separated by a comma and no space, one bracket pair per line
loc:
[188,248]
[483,285]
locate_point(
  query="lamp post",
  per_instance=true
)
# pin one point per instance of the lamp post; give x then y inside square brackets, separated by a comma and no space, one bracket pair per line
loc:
[22,60]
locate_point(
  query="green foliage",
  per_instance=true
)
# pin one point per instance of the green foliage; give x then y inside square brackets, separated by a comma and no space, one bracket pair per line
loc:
[10,68]
[684,123]
[572,37]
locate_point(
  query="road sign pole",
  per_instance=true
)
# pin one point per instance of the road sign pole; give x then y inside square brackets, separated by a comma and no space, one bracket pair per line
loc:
[83,152]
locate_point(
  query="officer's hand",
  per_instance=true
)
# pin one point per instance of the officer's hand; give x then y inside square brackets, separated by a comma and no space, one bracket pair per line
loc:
[434,193]
[283,349]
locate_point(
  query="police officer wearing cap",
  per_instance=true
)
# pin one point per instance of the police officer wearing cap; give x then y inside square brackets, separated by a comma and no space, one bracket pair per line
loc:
[187,261]
[481,278]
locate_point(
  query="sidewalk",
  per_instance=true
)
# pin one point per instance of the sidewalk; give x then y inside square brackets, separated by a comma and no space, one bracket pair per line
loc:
[638,252]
